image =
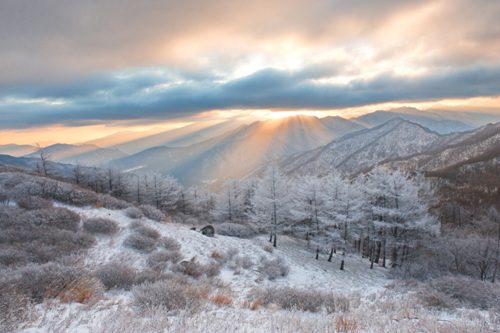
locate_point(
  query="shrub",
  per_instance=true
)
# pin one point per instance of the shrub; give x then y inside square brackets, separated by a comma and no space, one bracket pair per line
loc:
[236,230]
[192,268]
[291,299]
[336,303]
[82,290]
[140,242]
[33,202]
[158,260]
[450,291]
[39,235]
[13,256]
[100,225]
[211,269]
[144,230]
[110,202]
[170,295]
[39,281]
[169,243]
[273,268]
[134,213]
[240,261]
[117,275]
[60,218]
[14,309]
[152,213]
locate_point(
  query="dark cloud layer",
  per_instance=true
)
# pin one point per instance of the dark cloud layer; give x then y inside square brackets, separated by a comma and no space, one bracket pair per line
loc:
[138,97]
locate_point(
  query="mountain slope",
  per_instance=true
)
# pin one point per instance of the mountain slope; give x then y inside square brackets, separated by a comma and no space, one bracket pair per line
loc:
[180,137]
[361,150]
[233,154]
[85,154]
[17,150]
[482,144]
[442,122]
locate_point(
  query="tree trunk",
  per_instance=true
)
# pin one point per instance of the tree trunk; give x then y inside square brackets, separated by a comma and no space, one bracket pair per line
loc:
[384,250]
[379,247]
[317,253]
[371,257]
[342,265]
[394,257]
[497,254]
[331,255]
[274,242]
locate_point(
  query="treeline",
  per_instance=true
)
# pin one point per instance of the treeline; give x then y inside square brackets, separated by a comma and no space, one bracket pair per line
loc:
[383,215]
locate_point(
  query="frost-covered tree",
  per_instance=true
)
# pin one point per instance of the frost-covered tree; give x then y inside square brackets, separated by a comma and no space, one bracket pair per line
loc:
[344,208]
[396,210]
[309,208]
[271,202]
[233,202]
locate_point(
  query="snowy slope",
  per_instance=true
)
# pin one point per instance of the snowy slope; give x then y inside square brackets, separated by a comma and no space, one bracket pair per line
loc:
[305,272]
[457,149]
[387,310]
[363,149]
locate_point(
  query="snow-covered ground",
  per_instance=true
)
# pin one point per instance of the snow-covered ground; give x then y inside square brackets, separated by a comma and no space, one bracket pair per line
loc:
[114,312]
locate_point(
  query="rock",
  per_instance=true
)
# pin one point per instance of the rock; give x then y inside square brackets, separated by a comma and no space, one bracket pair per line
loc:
[208,231]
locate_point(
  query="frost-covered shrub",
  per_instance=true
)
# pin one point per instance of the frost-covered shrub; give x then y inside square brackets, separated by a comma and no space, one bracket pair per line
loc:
[195,269]
[336,303]
[169,243]
[273,268]
[236,230]
[190,267]
[38,281]
[117,275]
[169,295]
[14,309]
[144,230]
[38,236]
[11,256]
[212,269]
[134,213]
[291,298]
[110,202]
[60,218]
[158,260]
[33,202]
[152,213]
[140,242]
[453,291]
[241,261]
[100,225]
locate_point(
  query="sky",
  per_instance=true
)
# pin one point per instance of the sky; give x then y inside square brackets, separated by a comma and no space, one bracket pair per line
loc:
[90,68]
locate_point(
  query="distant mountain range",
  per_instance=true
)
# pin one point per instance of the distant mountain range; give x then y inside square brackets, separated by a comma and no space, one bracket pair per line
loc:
[238,152]
[85,154]
[213,151]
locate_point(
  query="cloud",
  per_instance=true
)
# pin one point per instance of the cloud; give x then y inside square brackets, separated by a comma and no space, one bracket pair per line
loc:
[139,97]
[87,62]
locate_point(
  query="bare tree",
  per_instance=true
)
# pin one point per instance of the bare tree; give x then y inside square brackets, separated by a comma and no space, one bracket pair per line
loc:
[44,158]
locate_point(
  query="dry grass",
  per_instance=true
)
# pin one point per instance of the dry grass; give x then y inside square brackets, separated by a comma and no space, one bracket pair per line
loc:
[221,299]
[84,290]
[345,325]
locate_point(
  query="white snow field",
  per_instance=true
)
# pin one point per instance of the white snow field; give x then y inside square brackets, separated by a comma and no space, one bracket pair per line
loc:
[374,307]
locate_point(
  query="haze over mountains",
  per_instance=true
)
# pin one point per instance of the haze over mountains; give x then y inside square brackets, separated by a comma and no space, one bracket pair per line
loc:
[207,152]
